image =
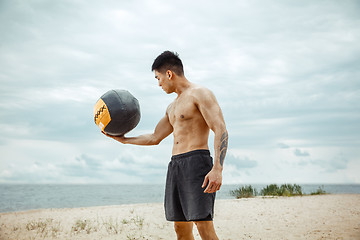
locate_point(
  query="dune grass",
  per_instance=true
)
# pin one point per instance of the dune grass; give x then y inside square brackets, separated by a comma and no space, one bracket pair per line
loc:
[47,228]
[246,191]
[44,227]
[319,191]
[284,190]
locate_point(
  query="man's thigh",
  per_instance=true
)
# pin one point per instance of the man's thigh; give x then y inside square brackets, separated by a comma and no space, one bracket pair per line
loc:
[206,229]
[183,228]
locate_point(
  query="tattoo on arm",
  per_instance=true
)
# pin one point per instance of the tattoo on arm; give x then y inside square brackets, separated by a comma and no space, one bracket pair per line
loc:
[223,147]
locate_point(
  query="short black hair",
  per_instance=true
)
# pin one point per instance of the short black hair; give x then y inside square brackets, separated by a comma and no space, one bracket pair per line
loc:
[168,61]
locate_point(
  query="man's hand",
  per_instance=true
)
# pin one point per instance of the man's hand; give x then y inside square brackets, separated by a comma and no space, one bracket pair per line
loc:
[121,139]
[213,180]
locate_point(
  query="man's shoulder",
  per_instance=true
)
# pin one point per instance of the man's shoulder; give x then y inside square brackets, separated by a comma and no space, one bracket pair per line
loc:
[201,91]
[170,106]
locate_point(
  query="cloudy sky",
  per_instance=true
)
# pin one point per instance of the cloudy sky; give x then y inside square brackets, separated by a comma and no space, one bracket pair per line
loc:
[286,74]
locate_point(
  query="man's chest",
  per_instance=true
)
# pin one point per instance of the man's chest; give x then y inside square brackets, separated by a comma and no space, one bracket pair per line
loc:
[182,110]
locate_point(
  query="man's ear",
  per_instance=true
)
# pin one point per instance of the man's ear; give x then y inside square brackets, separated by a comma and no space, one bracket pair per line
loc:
[169,74]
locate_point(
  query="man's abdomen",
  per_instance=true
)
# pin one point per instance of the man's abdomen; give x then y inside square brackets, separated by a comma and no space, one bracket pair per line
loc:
[187,141]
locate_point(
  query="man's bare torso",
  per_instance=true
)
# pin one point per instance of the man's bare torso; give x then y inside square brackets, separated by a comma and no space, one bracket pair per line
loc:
[189,127]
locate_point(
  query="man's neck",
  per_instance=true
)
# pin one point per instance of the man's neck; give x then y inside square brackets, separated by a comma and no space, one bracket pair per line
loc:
[182,84]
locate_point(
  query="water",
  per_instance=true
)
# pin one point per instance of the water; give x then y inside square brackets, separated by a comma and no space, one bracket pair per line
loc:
[27,196]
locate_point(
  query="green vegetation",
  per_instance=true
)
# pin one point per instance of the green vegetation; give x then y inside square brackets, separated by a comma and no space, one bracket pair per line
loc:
[284,190]
[47,228]
[44,227]
[244,192]
[112,226]
[84,226]
[319,191]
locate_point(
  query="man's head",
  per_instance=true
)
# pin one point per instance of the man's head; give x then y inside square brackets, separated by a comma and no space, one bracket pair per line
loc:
[168,61]
[168,67]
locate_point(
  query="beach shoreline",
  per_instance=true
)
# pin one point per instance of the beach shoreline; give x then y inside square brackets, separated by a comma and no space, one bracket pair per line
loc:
[330,216]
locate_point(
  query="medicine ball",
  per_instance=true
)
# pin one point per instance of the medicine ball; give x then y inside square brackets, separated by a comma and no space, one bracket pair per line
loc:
[117,112]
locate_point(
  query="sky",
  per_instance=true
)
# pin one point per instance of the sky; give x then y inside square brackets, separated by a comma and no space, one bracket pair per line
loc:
[285,73]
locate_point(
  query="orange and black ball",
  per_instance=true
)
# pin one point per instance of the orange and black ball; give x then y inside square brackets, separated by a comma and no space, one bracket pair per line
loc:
[117,112]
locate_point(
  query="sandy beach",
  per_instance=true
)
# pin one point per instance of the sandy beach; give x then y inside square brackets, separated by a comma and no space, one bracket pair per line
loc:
[309,217]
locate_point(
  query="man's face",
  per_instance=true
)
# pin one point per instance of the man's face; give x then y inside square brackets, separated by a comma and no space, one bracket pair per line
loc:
[164,81]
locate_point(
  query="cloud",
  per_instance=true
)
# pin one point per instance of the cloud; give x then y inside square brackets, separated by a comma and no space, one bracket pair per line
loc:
[81,166]
[30,173]
[283,145]
[285,74]
[135,165]
[89,169]
[240,163]
[331,165]
[300,153]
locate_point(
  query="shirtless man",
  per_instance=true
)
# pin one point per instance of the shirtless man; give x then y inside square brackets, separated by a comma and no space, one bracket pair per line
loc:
[192,178]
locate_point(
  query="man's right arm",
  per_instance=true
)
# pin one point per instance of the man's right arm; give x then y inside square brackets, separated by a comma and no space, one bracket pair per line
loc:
[162,130]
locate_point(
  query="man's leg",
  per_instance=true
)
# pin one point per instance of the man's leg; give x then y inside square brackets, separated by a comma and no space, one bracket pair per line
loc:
[184,230]
[206,230]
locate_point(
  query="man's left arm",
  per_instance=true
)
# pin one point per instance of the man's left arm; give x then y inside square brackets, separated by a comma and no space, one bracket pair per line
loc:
[211,111]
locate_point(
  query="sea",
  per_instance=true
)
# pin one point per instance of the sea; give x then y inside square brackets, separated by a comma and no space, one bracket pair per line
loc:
[24,197]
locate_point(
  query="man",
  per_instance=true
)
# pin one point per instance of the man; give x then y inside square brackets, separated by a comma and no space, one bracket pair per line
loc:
[192,178]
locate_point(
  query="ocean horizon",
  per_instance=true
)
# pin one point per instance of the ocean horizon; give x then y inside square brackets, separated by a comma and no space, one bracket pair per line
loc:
[24,197]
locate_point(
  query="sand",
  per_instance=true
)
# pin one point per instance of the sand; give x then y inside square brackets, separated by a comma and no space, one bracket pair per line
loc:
[309,217]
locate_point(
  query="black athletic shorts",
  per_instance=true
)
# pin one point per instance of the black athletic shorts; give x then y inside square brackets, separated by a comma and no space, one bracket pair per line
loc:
[185,199]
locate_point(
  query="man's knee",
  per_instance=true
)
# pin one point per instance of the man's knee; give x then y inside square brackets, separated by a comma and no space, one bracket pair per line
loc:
[183,229]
